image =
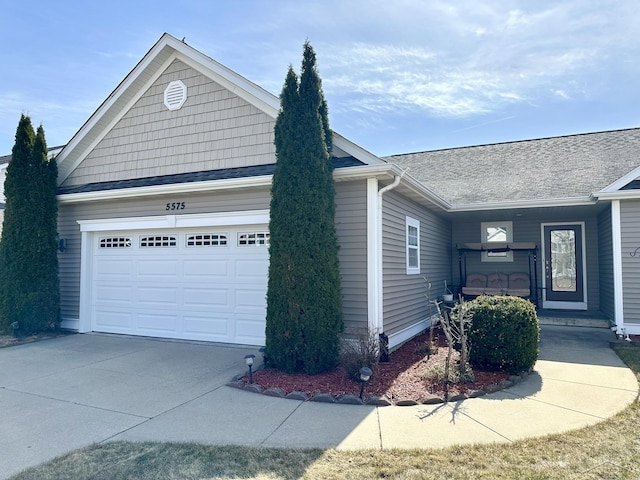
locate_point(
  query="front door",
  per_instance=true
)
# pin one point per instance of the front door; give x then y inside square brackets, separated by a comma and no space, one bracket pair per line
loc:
[564,276]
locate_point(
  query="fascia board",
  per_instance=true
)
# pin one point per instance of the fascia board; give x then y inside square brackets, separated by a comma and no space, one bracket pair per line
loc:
[561,202]
[621,182]
[617,195]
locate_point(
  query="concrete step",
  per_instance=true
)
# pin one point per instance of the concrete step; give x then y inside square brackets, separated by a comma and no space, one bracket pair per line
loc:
[574,321]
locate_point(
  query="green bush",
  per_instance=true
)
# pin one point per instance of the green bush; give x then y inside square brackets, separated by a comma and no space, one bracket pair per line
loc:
[504,334]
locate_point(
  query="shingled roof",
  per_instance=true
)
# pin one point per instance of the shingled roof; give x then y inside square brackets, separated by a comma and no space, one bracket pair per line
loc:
[555,168]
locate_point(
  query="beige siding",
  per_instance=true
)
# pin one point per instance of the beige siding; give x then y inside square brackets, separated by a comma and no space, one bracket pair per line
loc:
[630,232]
[351,228]
[605,260]
[214,129]
[404,299]
[350,222]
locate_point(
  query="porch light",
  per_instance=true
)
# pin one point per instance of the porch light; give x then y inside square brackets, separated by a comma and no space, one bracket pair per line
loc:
[365,376]
[249,361]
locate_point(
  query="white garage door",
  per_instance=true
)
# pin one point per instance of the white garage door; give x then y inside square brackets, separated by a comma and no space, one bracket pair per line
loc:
[207,284]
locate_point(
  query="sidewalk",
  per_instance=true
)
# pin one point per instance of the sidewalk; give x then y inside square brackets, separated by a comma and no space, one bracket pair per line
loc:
[62,394]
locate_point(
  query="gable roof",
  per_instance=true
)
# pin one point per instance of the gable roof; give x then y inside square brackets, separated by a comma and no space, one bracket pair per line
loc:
[547,171]
[143,75]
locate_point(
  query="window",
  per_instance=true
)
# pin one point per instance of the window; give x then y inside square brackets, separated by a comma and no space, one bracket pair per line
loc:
[497,232]
[158,241]
[206,240]
[253,238]
[115,242]
[413,246]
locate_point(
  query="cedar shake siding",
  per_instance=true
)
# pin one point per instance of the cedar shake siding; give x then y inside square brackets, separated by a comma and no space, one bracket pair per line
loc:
[214,129]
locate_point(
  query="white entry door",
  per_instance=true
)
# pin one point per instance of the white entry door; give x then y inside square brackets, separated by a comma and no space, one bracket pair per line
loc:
[205,284]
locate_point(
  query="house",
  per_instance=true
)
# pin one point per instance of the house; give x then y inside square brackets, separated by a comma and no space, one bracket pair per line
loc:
[164,209]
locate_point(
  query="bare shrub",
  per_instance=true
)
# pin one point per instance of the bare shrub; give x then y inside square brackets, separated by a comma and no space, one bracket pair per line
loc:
[362,351]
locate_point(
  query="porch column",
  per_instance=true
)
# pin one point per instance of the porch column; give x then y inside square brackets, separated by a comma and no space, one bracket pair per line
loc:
[616,241]
[374,257]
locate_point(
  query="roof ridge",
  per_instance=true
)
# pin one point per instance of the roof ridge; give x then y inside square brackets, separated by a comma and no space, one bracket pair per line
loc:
[513,142]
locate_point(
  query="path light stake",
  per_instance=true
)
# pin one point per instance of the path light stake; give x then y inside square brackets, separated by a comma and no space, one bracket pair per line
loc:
[249,360]
[365,375]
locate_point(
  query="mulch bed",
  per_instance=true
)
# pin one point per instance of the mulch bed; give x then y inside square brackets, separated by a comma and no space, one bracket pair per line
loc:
[403,378]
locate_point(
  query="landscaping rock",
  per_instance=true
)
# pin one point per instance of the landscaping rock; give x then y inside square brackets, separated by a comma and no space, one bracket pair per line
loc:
[492,388]
[458,397]
[476,393]
[350,400]
[406,402]
[431,400]
[505,384]
[323,397]
[379,401]
[274,392]
[236,384]
[295,395]
[253,387]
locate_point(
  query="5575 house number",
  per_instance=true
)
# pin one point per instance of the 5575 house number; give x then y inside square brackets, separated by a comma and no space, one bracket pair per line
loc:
[175,206]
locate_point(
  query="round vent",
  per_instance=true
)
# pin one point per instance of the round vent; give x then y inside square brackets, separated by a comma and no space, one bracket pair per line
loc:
[175,95]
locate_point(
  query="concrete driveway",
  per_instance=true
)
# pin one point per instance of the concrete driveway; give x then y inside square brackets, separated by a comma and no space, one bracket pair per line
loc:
[62,394]
[65,393]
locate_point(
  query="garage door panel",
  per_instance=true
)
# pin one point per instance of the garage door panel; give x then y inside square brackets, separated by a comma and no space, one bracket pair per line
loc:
[250,300]
[206,297]
[113,269]
[121,295]
[114,320]
[213,325]
[154,296]
[157,269]
[203,269]
[251,269]
[157,323]
[250,331]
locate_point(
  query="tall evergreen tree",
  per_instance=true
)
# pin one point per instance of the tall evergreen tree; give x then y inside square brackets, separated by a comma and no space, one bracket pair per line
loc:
[304,313]
[29,292]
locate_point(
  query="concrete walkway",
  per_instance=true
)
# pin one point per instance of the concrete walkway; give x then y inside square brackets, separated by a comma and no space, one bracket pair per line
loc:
[62,394]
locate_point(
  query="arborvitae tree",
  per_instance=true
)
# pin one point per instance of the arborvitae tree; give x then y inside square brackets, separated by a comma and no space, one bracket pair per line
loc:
[304,313]
[29,293]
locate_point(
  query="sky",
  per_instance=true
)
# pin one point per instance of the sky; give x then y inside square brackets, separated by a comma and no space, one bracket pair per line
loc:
[399,77]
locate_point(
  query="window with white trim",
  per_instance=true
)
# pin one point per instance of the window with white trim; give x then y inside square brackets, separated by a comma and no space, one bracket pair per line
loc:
[497,232]
[115,242]
[412,232]
[206,240]
[253,238]
[158,241]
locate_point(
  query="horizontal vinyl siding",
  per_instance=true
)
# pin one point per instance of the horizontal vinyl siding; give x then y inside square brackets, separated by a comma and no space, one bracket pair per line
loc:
[351,229]
[630,232]
[605,260]
[68,228]
[405,296]
[214,129]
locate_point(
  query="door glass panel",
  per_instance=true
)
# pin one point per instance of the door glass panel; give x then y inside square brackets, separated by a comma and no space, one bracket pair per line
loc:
[563,261]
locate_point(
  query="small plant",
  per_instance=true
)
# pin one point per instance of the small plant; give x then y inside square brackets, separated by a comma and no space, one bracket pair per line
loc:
[363,351]
[449,376]
[504,334]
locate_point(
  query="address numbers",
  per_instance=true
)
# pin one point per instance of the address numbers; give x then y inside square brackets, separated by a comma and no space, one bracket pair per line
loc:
[175,206]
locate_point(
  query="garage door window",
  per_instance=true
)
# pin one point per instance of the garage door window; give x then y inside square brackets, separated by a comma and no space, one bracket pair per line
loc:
[253,238]
[207,240]
[158,241]
[115,242]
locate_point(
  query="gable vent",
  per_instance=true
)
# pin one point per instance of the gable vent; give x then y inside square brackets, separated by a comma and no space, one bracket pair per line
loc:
[175,95]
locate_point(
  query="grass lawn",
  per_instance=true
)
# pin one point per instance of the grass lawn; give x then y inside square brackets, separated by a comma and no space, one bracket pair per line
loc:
[609,450]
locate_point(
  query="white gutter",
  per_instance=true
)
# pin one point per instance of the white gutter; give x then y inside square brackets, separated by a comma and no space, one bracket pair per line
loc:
[620,195]
[561,202]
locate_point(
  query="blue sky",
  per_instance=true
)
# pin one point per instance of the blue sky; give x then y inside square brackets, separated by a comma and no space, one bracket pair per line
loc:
[399,76]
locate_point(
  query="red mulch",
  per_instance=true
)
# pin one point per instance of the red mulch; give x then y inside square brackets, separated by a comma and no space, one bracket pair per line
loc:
[402,378]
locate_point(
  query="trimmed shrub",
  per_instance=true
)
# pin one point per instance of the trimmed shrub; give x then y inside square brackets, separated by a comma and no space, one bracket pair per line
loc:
[363,351]
[504,334]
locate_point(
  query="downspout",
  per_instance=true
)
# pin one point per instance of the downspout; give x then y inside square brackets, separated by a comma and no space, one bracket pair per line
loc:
[378,325]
